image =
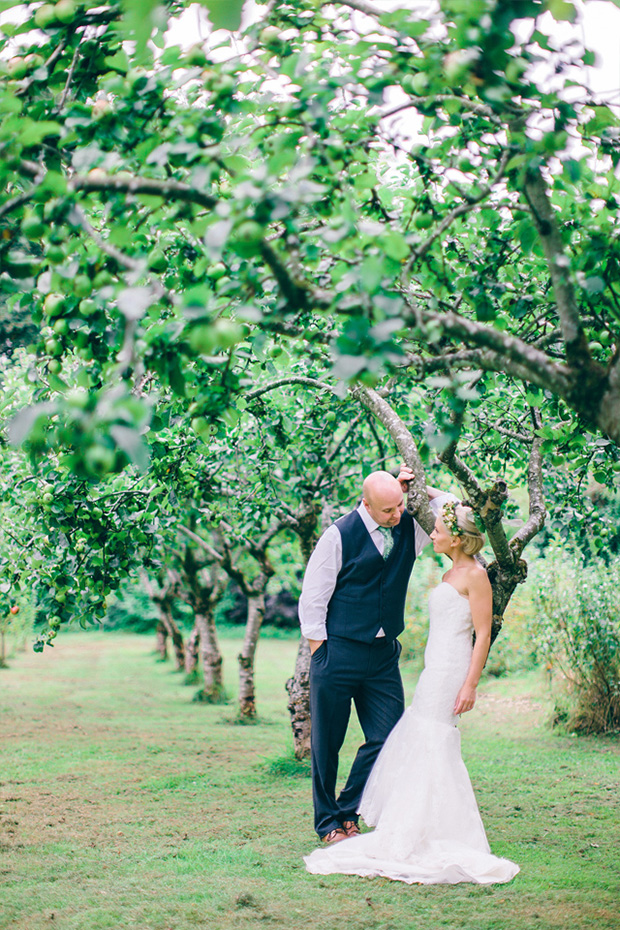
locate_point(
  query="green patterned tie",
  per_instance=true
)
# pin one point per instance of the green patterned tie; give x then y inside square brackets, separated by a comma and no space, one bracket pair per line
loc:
[388,543]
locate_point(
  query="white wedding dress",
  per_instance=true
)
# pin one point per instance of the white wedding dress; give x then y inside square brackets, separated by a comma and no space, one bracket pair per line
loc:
[419,796]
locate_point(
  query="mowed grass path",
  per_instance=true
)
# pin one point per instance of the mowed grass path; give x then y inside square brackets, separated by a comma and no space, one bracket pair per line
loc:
[123,805]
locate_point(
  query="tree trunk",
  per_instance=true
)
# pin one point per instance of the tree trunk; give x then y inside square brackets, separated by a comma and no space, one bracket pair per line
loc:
[161,641]
[298,688]
[256,615]
[211,660]
[175,634]
[162,596]
[191,653]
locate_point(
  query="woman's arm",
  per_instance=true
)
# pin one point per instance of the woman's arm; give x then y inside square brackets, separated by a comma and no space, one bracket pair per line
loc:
[481,605]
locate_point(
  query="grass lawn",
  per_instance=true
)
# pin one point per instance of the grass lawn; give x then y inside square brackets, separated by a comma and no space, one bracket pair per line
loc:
[123,804]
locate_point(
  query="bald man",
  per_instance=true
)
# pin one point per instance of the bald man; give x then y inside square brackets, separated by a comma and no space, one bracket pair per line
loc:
[351,610]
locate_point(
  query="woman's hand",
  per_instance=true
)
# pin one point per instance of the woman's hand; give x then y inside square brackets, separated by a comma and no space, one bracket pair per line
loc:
[465,700]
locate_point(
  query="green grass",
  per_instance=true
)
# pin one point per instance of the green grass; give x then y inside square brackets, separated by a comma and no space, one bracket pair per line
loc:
[123,804]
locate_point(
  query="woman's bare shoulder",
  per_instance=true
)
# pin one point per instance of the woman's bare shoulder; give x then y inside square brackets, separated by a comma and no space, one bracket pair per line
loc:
[477,578]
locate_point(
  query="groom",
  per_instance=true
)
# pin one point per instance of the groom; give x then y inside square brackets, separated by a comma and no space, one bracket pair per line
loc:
[351,611]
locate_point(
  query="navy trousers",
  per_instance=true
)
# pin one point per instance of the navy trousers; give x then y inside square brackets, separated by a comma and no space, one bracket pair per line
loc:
[344,671]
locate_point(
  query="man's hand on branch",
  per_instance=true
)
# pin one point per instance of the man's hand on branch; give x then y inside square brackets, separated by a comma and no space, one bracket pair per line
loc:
[405,475]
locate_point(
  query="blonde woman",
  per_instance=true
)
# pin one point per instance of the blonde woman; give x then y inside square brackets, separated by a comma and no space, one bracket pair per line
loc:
[419,797]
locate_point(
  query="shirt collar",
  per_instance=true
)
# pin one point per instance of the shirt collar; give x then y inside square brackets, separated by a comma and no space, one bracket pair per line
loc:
[369,522]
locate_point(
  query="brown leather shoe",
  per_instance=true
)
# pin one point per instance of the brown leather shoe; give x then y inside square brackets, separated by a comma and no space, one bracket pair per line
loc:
[350,827]
[334,836]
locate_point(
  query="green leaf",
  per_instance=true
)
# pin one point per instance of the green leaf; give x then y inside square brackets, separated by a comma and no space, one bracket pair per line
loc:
[371,273]
[118,62]
[562,10]
[395,246]
[34,133]
[139,15]
[224,14]
[9,103]
[132,444]
[364,181]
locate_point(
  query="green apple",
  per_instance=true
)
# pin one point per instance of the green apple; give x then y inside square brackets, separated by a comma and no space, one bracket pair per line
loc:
[87,307]
[99,460]
[54,304]
[248,238]
[53,346]
[45,15]
[216,271]
[82,285]
[103,278]
[61,327]
[17,67]
[55,254]
[32,227]
[65,11]
[228,333]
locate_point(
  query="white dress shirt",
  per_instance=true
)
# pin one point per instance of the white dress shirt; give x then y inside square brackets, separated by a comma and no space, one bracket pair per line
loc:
[326,561]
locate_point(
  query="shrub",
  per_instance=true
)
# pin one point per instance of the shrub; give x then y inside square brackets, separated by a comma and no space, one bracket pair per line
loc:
[577,632]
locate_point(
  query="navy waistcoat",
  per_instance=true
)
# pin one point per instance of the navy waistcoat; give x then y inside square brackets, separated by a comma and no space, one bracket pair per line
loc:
[370,591]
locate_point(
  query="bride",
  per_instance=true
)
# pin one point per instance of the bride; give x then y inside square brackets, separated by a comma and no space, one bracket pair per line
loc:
[419,797]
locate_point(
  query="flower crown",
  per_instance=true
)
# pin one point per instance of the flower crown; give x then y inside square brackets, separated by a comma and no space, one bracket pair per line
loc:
[450,519]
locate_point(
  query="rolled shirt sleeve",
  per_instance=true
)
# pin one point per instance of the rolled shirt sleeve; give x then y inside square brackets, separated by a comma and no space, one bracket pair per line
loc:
[319,582]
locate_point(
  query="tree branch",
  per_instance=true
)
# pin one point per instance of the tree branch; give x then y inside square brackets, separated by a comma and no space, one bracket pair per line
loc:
[475,107]
[487,503]
[461,210]
[537,508]
[297,291]
[15,202]
[362,6]
[213,553]
[293,379]
[530,363]
[99,180]
[575,342]
[417,500]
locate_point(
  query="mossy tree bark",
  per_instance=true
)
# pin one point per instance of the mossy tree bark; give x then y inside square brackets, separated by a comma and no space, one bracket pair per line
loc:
[202,587]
